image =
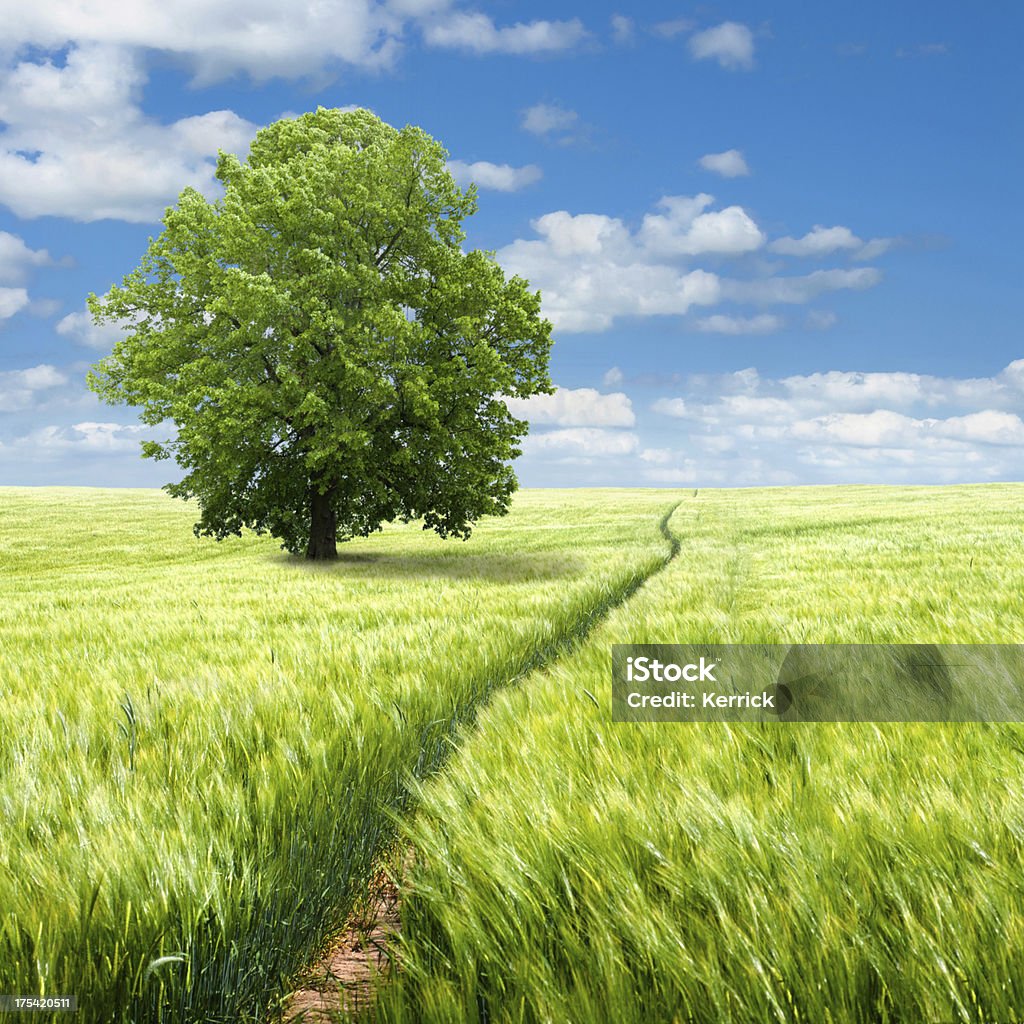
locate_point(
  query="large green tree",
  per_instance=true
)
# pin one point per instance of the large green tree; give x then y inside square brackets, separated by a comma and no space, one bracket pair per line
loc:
[329,355]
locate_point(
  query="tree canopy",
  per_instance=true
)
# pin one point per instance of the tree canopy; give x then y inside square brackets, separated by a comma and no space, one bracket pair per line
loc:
[329,355]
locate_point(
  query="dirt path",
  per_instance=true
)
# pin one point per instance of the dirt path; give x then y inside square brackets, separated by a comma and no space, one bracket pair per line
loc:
[342,982]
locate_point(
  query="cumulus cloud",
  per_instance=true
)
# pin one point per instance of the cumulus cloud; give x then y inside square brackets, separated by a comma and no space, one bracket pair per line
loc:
[585,234]
[592,268]
[764,323]
[12,300]
[590,298]
[833,426]
[549,120]
[76,143]
[874,248]
[729,164]
[590,271]
[884,428]
[820,320]
[80,329]
[499,177]
[84,438]
[923,50]
[477,33]
[657,455]
[860,390]
[19,389]
[623,29]
[684,230]
[846,426]
[689,473]
[672,28]
[271,39]
[817,242]
[16,258]
[797,290]
[822,241]
[670,407]
[588,442]
[296,40]
[731,44]
[575,407]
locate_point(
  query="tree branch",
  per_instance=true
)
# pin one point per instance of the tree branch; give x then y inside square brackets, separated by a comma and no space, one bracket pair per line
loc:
[387,250]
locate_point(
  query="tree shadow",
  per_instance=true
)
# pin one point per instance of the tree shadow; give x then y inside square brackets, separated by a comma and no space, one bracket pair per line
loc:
[511,567]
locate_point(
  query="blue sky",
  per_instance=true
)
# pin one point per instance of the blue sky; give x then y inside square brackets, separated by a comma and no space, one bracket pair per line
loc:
[779,243]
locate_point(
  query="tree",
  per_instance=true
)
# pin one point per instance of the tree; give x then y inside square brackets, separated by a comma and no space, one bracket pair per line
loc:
[330,356]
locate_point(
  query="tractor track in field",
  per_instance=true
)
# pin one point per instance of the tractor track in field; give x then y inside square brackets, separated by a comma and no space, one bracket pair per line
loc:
[343,981]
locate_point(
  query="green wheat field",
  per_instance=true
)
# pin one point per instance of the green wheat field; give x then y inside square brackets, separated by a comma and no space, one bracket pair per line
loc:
[208,748]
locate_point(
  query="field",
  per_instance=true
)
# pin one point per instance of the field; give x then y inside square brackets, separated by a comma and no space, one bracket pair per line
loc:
[205,745]
[565,868]
[208,747]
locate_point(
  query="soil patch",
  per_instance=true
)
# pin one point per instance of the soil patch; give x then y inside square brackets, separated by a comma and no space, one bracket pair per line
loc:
[343,981]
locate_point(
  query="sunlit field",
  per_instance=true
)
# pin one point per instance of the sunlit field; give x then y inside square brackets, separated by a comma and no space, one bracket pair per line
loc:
[566,868]
[204,745]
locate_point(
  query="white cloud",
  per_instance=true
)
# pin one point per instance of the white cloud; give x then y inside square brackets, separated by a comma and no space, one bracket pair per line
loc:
[877,246]
[575,407]
[583,441]
[499,177]
[730,43]
[988,427]
[16,257]
[886,429]
[586,234]
[763,323]
[729,164]
[79,327]
[821,319]
[684,230]
[856,390]
[842,426]
[12,300]
[822,241]
[44,307]
[670,407]
[817,242]
[217,39]
[657,455]
[834,426]
[689,474]
[548,119]
[76,143]
[85,438]
[671,29]
[612,377]
[592,269]
[19,388]
[923,50]
[623,29]
[881,428]
[477,32]
[796,290]
[587,294]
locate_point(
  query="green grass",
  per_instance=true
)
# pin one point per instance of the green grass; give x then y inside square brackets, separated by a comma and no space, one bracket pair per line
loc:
[569,869]
[204,745]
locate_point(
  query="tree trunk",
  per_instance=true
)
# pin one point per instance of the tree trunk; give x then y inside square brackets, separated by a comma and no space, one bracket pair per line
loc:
[323,527]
